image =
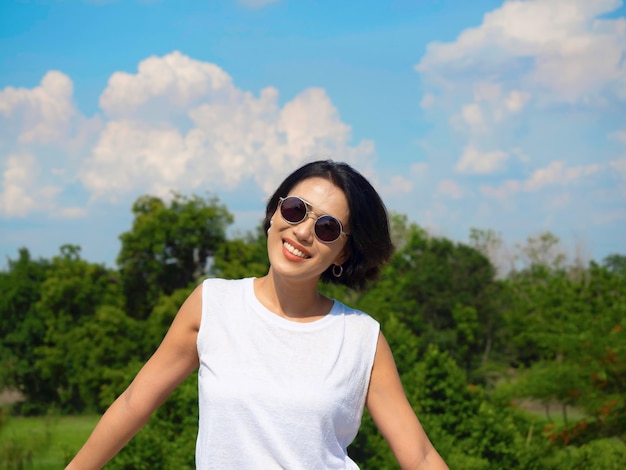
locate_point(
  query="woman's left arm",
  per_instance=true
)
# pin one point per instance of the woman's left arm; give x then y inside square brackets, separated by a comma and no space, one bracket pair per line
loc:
[394,417]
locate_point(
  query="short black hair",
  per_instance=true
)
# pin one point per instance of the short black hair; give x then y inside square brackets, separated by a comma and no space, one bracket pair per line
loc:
[369,244]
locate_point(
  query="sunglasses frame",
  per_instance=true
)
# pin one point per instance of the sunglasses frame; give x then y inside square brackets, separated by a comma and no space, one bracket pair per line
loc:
[309,210]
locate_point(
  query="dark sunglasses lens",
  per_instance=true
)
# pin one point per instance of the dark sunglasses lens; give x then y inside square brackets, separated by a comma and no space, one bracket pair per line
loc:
[293,209]
[327,228]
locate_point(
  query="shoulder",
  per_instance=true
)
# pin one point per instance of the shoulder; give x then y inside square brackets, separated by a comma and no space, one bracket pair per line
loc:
[361,327]
[218,282]
[353,315]
[221,287]
[220,297]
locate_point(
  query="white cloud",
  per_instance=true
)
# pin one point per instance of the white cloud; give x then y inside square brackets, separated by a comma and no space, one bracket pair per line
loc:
[399,185]
[473,161]
[557,47]
[21,192]
[486,90]
[555,174]
[428,101]
[173,82]
[38,115]
[472,115]
[502,192]
[450,188]
[231,135]
[130,154]
[516,100]
[561,200]
[620,166]
[176,124]
[545,176]
[419,169]
[525,93]
[72,212]
[43,138]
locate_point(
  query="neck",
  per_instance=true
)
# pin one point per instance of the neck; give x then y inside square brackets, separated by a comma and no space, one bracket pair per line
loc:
[294,300]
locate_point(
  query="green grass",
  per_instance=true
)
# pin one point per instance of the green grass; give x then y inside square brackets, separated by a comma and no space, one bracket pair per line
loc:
[49,440]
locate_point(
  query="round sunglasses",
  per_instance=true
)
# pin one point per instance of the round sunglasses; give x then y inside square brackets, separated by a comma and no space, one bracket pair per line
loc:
[295,210]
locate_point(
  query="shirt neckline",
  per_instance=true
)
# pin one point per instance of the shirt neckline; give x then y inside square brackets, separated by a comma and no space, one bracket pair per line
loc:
[267,315]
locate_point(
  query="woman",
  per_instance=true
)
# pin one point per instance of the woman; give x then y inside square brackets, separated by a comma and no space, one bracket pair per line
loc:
[284,372]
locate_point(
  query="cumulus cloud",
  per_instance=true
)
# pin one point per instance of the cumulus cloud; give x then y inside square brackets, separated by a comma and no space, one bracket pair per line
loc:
[473,115]
[399,185]
[450,189]
[39,115]
[516,100]
[557,173]
[231,135]
[419,169]
[473,161]
[172,82]
[525,58]
[42,139]
[71,212]
[524,94]
[20,192]
[428,101]
[175,124]
[559,48]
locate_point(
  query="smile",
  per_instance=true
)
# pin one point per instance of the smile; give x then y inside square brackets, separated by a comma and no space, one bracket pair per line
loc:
[294,251]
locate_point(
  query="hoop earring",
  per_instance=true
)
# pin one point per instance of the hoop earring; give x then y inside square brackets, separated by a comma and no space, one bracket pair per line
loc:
[337,272]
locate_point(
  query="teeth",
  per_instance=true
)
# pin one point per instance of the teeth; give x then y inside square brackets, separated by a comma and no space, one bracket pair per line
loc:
[293,250]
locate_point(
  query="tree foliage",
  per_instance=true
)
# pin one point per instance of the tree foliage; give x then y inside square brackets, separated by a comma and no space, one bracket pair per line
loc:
[479,348]
[444,292]
[242,257]
[168,247]
[23,329]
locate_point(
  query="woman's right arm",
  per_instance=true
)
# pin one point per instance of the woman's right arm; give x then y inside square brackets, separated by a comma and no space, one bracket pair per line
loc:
[173,361]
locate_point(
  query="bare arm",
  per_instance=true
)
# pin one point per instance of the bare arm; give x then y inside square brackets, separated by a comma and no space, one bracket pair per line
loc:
[394,417]
[172,362]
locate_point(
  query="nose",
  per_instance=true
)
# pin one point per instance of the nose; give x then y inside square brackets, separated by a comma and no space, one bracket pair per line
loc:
[305,229]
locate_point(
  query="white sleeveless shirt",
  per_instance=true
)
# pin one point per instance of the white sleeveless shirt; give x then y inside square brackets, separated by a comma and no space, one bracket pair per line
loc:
[274,393]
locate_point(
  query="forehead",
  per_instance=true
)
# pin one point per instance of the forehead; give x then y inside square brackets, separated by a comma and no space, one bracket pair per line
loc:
[323,195]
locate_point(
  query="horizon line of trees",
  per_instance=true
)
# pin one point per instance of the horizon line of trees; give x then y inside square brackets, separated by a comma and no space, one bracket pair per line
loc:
[474,346]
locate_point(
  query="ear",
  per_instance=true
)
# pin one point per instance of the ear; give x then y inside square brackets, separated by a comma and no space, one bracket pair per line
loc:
[343,256]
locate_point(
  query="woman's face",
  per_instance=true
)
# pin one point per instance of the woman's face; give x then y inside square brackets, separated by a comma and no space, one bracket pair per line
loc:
[294,250]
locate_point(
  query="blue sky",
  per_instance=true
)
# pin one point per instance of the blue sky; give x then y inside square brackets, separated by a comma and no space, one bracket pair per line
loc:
[504,116]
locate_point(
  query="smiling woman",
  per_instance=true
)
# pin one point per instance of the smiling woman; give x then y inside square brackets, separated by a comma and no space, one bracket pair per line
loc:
[284,372]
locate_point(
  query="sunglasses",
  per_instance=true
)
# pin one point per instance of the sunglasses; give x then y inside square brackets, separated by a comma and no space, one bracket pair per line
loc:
[295,210]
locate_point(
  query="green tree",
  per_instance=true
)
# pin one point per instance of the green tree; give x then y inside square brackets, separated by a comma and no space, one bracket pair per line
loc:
[430,279]
[470,430]
[543,250]
[242,257]
[574,325]
[491,245]
[168,247]
[22,330]
[615,263]
[80,304]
